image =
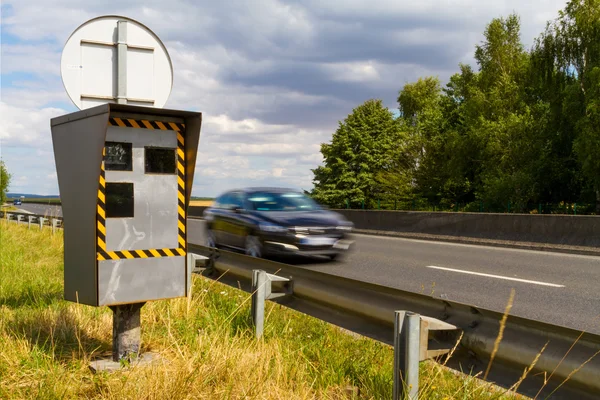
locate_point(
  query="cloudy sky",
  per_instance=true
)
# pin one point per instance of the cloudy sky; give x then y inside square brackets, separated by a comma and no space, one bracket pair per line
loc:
[272,78]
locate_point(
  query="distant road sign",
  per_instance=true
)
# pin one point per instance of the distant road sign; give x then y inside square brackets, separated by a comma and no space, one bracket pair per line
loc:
[114,59]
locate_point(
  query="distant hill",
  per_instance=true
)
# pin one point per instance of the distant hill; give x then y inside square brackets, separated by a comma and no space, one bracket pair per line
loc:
[31,196]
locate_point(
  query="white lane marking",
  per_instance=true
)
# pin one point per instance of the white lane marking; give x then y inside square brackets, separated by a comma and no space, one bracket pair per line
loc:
[496,276]
[483,246]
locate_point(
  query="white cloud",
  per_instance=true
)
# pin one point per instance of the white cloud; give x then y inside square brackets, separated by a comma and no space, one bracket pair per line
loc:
[286,162]
[267,150]
[224,124]
[278,172]
[353,72]
[315,158]
[36,59]
[26,127]
[271,79]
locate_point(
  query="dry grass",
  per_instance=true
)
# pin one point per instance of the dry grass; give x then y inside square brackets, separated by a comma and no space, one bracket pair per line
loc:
[206,344]
[201,203]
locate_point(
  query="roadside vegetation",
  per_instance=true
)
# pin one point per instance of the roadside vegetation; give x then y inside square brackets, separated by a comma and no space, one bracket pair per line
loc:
[200,203]
[55,201]
[4,181]
[517,132]
[206,344]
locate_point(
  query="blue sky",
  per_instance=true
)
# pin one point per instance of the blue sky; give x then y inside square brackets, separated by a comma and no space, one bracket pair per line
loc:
[272,78]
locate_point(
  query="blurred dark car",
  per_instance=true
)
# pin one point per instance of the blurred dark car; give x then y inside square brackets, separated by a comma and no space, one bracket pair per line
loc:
[17,202]
[269,221]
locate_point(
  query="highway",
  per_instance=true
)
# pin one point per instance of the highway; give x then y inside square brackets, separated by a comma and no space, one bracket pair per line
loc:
[557,288]
[41,209]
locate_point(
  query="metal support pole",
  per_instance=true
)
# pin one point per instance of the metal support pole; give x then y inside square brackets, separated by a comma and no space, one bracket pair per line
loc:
[19,217]
[41,221]
[261,291]
[407,331]
[29,219]
[122,62]
[54,225]
[259,278]
[126,331]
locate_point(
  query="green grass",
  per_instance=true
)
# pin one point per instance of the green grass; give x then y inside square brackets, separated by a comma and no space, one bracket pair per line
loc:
[206,344]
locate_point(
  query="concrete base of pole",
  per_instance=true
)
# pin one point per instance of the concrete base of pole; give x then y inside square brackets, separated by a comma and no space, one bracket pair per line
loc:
[108,365]
[126,341]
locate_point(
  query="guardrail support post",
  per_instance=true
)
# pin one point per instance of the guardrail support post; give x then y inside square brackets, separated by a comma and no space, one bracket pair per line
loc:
[54,225]
[41,221]
[407,333]
[29,219]
[259,279]
[19,217]
[261,291]
[192,258]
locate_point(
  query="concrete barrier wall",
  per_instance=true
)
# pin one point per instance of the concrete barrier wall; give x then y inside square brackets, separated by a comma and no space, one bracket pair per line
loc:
[552,229]
[195,211]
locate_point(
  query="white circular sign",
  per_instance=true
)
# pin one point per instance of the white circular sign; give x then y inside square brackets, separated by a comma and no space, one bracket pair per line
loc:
[105,61]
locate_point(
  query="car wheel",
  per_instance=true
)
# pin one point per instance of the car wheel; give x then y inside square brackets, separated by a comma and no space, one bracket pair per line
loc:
[253,246]
[210,239]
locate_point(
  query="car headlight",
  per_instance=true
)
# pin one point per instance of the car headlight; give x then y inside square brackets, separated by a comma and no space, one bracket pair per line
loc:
[266,227]
[345,226]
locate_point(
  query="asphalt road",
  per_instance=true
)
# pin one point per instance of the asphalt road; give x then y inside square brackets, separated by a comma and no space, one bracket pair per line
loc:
[557,288]
[41,209]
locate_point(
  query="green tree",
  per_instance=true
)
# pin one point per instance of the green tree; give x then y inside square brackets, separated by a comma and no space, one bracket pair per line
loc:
[421,116]
[462,151]
[567,57]
[578,34]
[491,126]
[558,172]
[361,147]
[4,182]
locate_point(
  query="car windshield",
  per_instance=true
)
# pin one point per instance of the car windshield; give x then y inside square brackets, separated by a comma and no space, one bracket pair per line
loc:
[290,201]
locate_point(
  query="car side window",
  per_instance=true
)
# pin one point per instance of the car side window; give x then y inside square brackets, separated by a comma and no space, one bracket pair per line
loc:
[218,203]
[229,200]
[237,200]
[225,201]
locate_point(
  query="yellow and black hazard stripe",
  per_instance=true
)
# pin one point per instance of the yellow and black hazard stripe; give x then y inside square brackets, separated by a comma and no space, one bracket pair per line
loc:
[128,254]
[102,253]
[146,124]
[101,211]
[181,223]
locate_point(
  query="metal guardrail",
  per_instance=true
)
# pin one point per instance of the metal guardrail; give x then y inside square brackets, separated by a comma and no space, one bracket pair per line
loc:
[33,219]
[565,363]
